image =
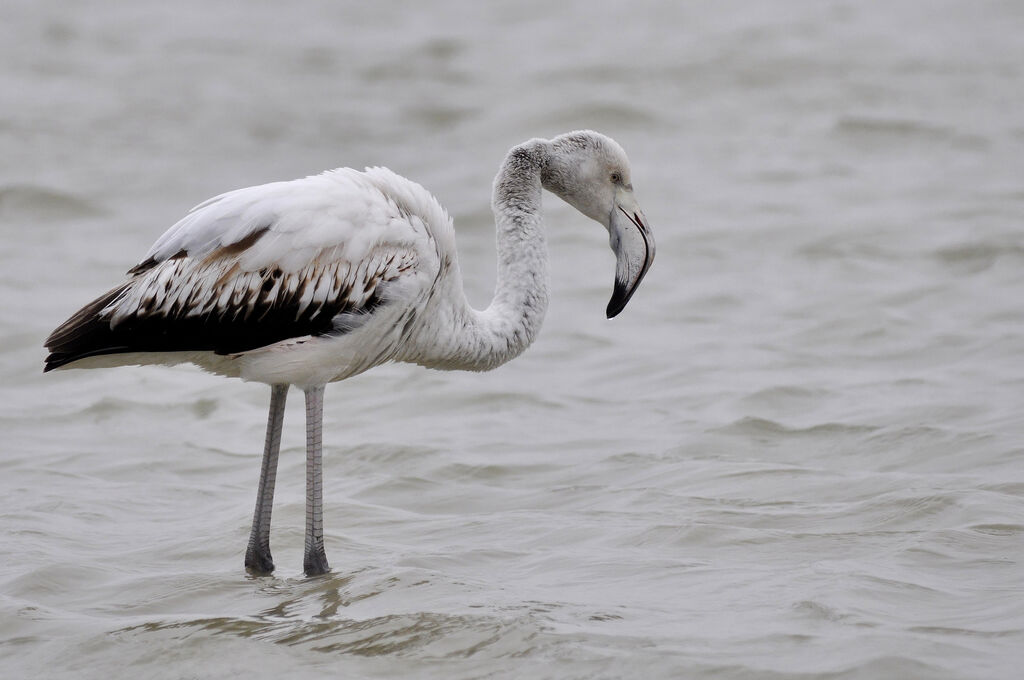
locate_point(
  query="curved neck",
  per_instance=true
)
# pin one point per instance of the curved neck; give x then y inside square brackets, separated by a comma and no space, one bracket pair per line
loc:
[482,340]
[521,294]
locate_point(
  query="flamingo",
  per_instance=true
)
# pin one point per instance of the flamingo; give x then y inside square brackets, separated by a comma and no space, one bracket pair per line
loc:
[316,280]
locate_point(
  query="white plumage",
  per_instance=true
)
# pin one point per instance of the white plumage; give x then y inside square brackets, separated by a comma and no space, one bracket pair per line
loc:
[315,280]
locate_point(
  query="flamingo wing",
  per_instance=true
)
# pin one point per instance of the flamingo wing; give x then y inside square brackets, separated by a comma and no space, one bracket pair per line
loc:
[256,266]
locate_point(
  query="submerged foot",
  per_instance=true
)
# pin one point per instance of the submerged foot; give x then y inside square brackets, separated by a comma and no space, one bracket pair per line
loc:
[259,562]
[315,562]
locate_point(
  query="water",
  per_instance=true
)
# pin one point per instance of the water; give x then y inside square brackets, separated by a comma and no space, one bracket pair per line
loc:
[796,454]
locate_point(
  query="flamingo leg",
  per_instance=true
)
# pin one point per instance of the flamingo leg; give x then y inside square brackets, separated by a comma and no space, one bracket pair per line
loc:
[315,559]
[257,555]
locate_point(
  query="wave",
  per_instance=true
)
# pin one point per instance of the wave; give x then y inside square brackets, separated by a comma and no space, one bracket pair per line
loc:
[882,130]
[751,426]
[27,202]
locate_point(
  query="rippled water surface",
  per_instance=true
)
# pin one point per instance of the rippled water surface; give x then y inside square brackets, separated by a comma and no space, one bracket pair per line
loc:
[797,453]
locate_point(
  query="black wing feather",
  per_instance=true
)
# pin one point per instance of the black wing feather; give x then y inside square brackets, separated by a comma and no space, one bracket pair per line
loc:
[90,332]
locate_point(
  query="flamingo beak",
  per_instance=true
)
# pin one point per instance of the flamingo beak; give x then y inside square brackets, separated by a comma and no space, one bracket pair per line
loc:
[632,241]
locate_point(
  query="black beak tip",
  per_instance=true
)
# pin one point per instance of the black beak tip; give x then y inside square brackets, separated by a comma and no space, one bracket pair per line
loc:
[620,296]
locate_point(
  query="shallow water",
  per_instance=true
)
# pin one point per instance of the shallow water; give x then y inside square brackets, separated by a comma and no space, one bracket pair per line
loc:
[797,453]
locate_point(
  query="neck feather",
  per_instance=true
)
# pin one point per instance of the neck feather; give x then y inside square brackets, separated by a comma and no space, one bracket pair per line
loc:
[483,340]
[514,317]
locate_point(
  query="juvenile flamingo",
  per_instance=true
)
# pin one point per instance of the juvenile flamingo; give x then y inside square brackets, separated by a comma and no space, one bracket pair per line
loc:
[318,279]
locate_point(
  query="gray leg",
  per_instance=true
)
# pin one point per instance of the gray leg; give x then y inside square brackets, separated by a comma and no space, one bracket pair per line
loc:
[315,560]
[257,555]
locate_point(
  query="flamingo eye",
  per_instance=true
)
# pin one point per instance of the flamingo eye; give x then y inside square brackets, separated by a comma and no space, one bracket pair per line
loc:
[616,177]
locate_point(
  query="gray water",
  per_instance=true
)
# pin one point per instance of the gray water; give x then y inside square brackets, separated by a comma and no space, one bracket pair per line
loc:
[796,454]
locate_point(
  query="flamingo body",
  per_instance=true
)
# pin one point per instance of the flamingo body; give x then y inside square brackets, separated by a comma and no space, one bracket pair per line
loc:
[303,282]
